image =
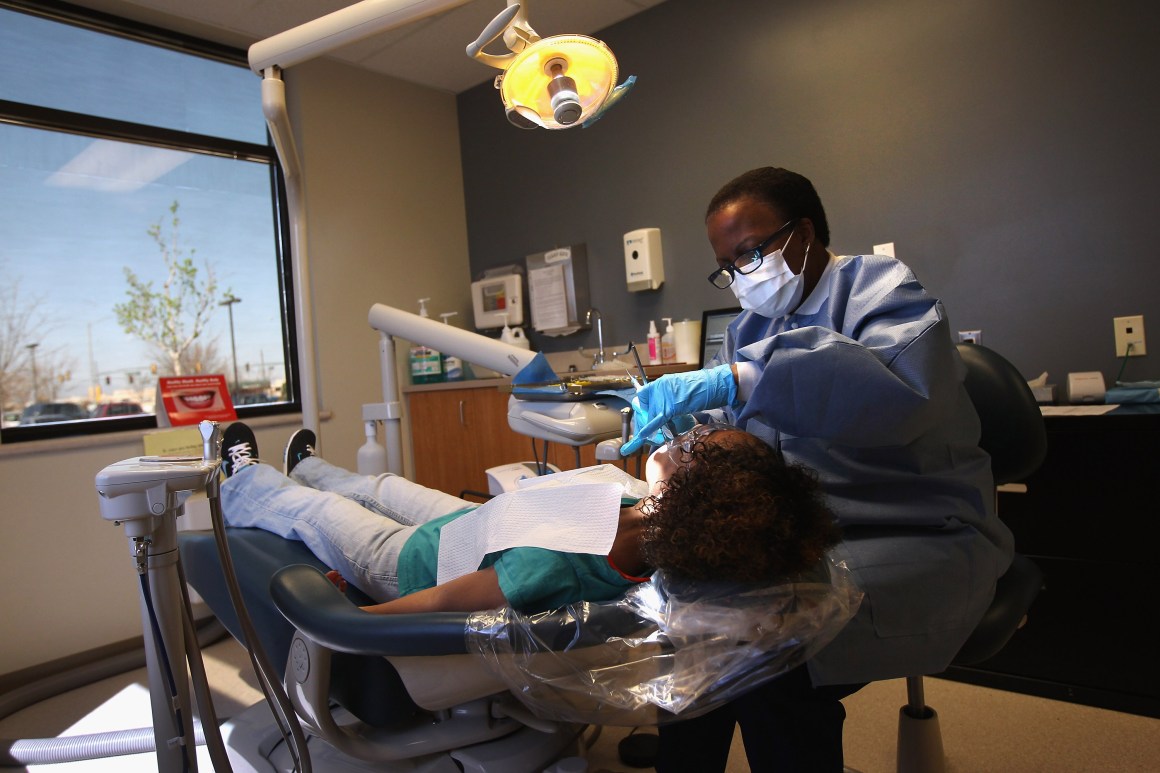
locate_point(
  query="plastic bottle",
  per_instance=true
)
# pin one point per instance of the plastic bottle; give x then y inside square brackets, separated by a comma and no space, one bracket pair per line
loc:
[654,343]
[425,364]
[452,365]
[372,456]
[514,336]
[668,343]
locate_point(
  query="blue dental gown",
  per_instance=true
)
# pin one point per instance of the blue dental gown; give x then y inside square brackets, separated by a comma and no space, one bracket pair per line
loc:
[863,384]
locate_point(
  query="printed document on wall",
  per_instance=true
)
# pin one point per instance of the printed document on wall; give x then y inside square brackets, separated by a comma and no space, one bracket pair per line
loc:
[549,297]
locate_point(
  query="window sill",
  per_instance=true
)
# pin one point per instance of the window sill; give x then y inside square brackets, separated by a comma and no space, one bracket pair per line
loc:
[131,439]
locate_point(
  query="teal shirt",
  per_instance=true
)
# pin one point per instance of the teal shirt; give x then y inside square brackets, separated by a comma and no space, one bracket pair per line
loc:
[531,579]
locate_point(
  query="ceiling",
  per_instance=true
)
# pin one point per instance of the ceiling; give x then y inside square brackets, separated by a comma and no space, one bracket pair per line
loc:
[429,52]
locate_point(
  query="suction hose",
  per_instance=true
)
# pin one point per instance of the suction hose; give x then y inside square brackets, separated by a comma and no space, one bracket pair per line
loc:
[47,751]
[77,748]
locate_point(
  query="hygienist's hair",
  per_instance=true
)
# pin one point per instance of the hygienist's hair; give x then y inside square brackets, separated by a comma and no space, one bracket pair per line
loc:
[738,512]
[788,192]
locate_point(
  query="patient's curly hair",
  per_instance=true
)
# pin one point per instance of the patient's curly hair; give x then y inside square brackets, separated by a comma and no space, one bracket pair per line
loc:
[738,512]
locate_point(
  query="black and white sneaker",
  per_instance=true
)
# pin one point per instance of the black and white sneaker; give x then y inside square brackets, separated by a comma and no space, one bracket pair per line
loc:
[239,448]
[300,446]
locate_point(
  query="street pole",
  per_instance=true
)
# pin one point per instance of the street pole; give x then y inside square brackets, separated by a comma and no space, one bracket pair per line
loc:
[35,378]
[229,304]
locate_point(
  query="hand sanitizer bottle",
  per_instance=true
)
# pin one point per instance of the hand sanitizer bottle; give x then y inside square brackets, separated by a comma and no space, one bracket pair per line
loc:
[668,343]
[425,364]
[452,365]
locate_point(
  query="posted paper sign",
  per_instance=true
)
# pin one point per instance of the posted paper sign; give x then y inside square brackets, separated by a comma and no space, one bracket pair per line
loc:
[193,399]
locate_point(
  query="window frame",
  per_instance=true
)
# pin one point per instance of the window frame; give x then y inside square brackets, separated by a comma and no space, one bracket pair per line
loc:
[97,127]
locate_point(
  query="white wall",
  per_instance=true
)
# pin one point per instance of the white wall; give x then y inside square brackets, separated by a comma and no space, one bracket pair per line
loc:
[386,224]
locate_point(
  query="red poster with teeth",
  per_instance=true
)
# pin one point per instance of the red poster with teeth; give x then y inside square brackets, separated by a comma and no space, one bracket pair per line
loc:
[193,399]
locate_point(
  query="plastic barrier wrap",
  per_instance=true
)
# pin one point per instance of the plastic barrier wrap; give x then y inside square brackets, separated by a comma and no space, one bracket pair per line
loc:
[666,650]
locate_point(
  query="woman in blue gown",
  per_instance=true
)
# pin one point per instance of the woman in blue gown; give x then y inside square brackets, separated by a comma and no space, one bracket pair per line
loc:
[845,363]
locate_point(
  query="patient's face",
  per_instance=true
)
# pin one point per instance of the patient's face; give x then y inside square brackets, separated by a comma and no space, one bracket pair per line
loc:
[667,458]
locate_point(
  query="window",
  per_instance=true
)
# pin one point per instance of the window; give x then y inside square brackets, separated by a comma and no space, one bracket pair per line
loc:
[142,225]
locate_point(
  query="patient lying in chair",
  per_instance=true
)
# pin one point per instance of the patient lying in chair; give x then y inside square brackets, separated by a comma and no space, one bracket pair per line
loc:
[717,503]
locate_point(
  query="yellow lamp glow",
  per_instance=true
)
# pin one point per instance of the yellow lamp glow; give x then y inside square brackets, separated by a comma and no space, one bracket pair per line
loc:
[558,82]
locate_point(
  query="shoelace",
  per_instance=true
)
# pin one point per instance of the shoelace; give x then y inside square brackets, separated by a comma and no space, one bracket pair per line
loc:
[241,455]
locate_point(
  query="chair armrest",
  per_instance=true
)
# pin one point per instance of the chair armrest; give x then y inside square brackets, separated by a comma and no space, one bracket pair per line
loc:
[313,605]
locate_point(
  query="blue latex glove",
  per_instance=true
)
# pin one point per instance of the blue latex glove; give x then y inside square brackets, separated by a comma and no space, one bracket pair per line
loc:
[675,394]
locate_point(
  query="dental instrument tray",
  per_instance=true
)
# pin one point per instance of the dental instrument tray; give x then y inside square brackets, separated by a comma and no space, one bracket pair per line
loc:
[571,389]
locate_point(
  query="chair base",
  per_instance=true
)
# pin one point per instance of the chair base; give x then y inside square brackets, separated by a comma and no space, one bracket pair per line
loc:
[254,745]
[920,748]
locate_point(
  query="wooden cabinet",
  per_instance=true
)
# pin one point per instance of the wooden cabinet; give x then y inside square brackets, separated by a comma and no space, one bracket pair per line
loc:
[459,430]
[457,433]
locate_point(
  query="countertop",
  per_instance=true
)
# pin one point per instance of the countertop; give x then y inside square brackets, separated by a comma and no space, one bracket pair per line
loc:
[652,371]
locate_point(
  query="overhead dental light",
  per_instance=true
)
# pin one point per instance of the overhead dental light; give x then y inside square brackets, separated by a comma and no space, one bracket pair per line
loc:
[554,83]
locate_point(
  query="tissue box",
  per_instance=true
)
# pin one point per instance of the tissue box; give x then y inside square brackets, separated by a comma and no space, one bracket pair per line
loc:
[1044,395]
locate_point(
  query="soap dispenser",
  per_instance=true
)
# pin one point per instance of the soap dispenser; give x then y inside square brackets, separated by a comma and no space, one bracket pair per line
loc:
[425,365]
[372,456]
[452,365]
[668,343]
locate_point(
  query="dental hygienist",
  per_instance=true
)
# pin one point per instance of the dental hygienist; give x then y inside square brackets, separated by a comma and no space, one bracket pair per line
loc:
[847,365]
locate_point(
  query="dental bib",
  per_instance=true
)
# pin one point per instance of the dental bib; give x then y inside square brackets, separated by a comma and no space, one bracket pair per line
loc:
[571,512]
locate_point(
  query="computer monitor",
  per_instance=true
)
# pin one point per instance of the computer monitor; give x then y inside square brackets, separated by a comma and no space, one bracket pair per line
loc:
[713,324]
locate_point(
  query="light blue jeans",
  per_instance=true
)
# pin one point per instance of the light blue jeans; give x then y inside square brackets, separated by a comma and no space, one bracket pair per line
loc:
[354,523]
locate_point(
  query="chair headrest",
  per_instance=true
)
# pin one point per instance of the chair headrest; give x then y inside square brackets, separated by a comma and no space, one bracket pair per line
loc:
[1013,431]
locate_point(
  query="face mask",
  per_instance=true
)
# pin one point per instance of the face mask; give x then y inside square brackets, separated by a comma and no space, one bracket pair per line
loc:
[772,290]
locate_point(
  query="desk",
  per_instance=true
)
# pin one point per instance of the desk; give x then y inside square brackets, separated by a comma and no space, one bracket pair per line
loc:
[1091,520]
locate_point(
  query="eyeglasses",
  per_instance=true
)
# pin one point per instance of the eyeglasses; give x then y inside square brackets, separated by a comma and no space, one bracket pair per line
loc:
[680,448]
[747,262]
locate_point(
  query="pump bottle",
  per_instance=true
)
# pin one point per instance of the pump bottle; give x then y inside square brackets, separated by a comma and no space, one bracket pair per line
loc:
[372,456]
[654,343]
[668,343]
[425,364]
[514,336]
[452,365]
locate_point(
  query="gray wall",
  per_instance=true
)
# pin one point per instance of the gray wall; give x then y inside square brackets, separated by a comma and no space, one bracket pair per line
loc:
[1007,147]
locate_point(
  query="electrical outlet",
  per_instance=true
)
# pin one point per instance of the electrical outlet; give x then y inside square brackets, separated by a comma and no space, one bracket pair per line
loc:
[1129,330]
[971,336]
[885,249]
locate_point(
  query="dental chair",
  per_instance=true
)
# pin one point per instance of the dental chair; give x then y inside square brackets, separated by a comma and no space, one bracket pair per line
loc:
[1013,434]
[420,702]
[451,691]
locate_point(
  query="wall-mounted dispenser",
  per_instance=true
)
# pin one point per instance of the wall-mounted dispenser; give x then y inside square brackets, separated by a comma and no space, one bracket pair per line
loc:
[644,267]
[498,297]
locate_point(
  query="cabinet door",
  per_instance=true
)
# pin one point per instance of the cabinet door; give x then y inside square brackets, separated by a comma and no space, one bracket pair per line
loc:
[440,439]
[457,434]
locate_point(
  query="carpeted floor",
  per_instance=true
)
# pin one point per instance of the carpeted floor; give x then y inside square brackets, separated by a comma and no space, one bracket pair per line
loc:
[983,730]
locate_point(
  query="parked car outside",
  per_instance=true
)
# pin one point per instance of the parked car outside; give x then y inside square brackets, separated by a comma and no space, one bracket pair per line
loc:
[47,413]
[119,408]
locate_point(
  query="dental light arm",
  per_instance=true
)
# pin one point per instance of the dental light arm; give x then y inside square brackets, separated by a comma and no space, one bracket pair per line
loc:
[554,103]
[268,58]
[468,346]
[344,26]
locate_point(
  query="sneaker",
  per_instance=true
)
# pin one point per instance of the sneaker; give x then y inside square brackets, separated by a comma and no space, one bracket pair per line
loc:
[300,446]
[239,448]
